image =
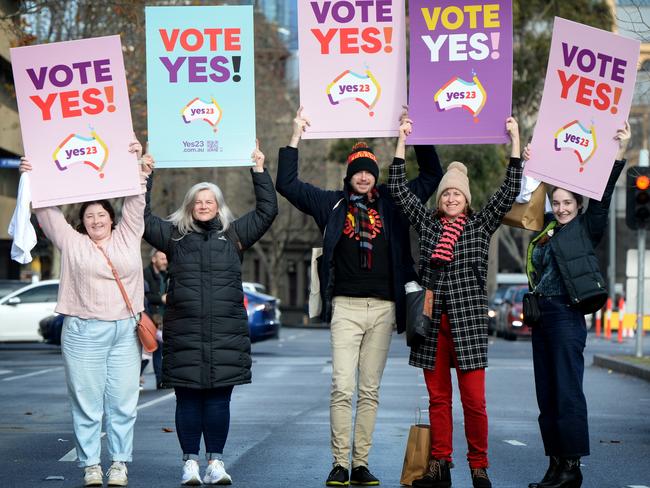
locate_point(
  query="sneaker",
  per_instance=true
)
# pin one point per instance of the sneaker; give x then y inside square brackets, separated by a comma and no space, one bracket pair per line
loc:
[191,475]
[93,475]
[215,474]
[438,475]
[480,478]
[117,474]
[338,476]
[361,476]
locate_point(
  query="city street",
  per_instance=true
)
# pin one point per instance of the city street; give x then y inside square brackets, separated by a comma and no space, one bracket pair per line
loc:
[279,435]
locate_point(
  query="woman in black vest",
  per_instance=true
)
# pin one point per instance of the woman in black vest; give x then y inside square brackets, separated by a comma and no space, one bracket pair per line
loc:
[563,273]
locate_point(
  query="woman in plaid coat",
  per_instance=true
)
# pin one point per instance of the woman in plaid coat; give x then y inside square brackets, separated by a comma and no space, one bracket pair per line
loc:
[454,244]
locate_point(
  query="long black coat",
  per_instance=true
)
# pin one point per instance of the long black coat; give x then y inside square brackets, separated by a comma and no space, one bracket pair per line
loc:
[323,206]
[462,281]
[206,340]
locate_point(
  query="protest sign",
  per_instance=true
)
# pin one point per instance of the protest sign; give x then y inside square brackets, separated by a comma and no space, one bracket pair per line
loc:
[587,96]
[460,71]
[200,86]
[352,67]
[75,120]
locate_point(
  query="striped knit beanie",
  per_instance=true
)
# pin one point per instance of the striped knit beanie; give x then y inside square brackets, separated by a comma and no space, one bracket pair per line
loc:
[362,158]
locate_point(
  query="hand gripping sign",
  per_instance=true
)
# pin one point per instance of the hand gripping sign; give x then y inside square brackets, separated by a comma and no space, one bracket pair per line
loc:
[577,138]
[197,109]
[364,89]
[77,149]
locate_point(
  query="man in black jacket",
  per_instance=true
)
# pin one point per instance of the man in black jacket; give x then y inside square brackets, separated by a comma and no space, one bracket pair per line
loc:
[365,265]
[155,275]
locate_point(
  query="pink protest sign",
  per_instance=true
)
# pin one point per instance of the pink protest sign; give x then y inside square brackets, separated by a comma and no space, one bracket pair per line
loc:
[587,96]
[352,67]
[75,119]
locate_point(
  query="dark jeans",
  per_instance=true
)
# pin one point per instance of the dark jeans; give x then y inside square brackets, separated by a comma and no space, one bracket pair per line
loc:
[558,344]
[202,412]
[157,363]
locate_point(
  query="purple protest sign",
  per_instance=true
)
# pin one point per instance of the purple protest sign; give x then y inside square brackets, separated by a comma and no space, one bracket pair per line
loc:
[460,71]
[587,96]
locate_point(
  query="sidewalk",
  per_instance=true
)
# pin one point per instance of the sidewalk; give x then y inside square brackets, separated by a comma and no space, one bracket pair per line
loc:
[630,365]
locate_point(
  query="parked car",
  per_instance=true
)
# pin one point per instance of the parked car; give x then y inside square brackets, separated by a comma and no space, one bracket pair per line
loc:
[493,308]
[510,318]
[7,286]
[256,287]
[262,310]
[263,315]
[22,309]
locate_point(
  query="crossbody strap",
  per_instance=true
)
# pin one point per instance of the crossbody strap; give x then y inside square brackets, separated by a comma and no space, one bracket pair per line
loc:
[117,279]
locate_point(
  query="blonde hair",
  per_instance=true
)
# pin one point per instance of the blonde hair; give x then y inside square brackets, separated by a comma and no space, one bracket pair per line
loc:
[182,217]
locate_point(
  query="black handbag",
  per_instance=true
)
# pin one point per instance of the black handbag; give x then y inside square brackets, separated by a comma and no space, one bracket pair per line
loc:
[417,324]
[531,311]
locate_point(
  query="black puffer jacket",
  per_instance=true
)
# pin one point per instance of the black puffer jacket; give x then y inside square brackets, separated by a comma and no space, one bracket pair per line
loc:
[206,340]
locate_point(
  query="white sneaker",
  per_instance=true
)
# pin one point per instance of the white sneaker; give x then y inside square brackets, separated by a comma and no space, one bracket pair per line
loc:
[191,474]
[216,474]
[117,474]
[93,475]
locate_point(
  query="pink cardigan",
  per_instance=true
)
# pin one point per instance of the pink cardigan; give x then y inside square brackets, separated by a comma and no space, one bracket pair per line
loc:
[87,288]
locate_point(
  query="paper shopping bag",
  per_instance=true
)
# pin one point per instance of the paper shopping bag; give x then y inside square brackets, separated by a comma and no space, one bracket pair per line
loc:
[416,457]
[528,215]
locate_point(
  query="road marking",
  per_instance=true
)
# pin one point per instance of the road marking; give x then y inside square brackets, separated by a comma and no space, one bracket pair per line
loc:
[637,486]
[35,373]
[71,455]
[513,442]
[326,369]
[5,371]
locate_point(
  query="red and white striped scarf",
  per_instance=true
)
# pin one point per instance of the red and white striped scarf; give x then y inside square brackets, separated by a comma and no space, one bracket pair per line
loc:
[443,253]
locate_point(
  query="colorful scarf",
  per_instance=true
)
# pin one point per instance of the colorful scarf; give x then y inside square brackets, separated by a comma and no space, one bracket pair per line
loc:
[359,210]
[451,231]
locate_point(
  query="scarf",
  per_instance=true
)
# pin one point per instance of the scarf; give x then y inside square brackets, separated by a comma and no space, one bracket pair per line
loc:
[358,208]
[443,253]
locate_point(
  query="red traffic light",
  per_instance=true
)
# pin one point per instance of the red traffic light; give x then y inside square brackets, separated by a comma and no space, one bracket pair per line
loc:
[642,182]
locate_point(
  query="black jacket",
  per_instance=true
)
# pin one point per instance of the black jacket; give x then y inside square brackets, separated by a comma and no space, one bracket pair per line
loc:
[573,246]
[155,290]
[206,340]
[320,205]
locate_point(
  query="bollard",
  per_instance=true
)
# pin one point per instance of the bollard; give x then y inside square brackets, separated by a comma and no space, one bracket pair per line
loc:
[608,320]
[599,315]
[621,314]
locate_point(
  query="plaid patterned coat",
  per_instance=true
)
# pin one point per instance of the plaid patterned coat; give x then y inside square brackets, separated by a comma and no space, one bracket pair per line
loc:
[463,280]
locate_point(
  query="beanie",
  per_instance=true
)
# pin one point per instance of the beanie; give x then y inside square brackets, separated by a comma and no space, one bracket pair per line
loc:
[361,158]
[455,177]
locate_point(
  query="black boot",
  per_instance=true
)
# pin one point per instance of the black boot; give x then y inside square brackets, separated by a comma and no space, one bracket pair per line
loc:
[480,478]
[568,475]
[438,475]
[553,465]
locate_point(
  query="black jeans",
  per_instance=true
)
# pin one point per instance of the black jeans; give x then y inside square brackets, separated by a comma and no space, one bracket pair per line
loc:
[558,345]
[202,412]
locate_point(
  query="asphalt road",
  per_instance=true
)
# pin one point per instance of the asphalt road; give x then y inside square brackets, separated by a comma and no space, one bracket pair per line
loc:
[279,435]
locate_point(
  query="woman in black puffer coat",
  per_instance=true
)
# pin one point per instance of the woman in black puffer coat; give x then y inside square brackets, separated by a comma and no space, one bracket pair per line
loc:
[206,340]
[563,273]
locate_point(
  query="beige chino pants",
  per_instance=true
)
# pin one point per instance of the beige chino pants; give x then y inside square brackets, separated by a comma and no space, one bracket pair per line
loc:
[361,331]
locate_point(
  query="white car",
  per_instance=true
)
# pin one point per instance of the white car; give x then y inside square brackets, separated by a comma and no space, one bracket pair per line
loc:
[23,309]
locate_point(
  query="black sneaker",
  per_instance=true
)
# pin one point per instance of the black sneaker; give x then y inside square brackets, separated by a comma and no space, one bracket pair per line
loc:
[338,476]
[361,476]
[480,478]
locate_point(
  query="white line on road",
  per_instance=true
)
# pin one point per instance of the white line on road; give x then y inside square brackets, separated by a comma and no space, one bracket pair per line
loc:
[71,455]
[5,371]
[513,442]
[637,486]
[35,373]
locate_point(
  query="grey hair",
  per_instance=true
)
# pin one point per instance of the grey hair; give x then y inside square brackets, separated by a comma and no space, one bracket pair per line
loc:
[182,217]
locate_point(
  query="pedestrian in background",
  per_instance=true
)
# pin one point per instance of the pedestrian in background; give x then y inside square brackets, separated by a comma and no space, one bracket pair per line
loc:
[155,277]
[454,245]
[100,347]
[206,347]
[563,273]
[365,264]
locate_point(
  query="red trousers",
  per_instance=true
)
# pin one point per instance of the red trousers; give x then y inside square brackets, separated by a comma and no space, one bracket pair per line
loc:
[472,396]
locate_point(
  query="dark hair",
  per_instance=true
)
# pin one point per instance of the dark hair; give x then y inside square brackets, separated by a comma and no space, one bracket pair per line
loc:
[105,204]
[579,198]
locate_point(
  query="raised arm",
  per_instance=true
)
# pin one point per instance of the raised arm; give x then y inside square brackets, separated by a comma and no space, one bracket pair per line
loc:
[252,226]
[157,231]
[132,222]
[501,201]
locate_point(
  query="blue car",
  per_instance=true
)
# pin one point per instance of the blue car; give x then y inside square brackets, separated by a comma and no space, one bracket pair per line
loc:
[263,319]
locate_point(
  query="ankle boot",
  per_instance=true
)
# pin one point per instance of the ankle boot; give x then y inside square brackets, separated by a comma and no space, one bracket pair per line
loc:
[553,465]
[438,475]
[568,475]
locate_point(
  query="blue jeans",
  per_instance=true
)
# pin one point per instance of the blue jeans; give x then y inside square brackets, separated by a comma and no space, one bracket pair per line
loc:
[202,412]
[102,366]
[558,345]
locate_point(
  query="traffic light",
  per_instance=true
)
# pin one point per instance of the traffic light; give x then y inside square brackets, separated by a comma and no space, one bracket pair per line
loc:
[637,212]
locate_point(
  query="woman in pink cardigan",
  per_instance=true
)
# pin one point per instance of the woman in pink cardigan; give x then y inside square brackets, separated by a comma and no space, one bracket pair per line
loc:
[101,351]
